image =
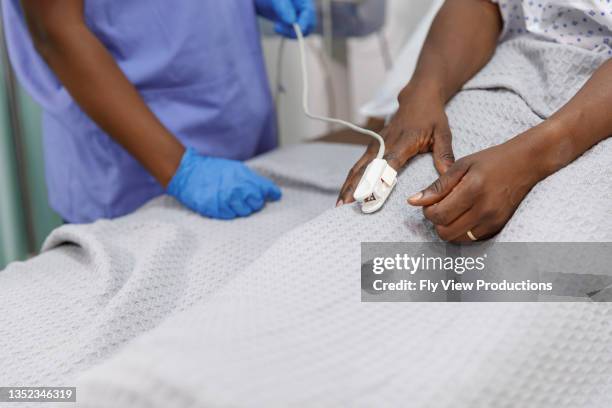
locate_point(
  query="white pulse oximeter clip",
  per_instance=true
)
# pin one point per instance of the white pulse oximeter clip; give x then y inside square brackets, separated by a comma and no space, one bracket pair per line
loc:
[379,178]
[375,186]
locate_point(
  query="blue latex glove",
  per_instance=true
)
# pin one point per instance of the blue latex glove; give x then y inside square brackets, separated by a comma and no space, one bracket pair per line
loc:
[286,12]
[220,188]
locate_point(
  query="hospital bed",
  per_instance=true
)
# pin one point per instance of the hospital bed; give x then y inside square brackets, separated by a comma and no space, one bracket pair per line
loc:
[163,308]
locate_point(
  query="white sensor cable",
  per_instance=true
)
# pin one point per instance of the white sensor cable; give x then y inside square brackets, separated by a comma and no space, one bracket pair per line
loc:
[378,178]
[300,38]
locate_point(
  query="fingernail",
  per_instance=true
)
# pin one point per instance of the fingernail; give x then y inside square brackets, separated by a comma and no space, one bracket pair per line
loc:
[339,203]
[416,197]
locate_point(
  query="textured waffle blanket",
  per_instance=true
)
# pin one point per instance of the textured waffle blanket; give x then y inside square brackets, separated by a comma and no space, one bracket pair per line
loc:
[166,309]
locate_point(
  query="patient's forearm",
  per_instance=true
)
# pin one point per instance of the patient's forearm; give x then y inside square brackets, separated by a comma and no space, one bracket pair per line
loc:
[461,41]
[583,122]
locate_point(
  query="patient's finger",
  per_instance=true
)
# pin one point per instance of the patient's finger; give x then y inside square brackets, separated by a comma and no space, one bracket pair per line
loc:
[349,186]
[457,231]
[401,146]
[443,154]
[481,230]
[450,208]
[441,187]
[354,176]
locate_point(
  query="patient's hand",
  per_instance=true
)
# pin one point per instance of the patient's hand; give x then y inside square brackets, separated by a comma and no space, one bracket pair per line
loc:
[480,192]
[419,126]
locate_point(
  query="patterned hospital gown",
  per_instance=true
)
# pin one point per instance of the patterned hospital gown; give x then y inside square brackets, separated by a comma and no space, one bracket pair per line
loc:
[582,23]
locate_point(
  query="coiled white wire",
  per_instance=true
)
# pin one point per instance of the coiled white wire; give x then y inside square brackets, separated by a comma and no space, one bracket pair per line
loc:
[300,38]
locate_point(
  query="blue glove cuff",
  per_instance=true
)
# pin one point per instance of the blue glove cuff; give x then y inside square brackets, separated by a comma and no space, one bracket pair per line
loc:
[180,178]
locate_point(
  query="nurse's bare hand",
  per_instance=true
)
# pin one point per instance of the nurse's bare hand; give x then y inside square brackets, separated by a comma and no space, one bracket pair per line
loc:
[480,192]
[419,126]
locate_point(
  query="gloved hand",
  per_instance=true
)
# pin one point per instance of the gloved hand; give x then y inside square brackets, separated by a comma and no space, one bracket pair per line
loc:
[286,12]
[220,188]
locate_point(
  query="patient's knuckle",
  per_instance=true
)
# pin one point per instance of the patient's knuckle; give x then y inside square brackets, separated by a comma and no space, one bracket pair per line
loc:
[488,213]
[471,189]
[424,138]
[476,182]
[443,233]
[429,212]
[435,215]
[447,155]
[391,154]
[437,186]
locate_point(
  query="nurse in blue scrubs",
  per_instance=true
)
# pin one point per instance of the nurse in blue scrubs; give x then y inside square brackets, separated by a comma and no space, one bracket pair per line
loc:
[145,97]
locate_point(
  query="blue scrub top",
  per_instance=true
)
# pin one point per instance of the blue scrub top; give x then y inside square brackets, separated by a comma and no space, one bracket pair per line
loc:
[197,64]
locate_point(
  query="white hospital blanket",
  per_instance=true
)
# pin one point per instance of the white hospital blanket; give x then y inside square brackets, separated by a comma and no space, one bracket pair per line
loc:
[266,311]
[97,286]
[290,329]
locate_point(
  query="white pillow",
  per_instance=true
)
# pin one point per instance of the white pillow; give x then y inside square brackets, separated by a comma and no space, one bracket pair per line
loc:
[385,102]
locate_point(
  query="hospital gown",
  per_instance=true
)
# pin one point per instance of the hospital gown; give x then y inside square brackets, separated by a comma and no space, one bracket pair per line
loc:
[586,24]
